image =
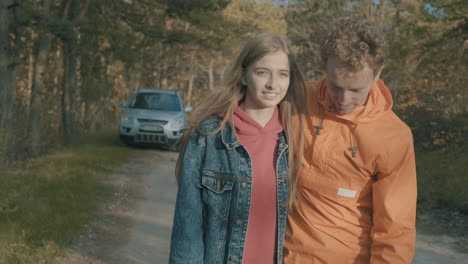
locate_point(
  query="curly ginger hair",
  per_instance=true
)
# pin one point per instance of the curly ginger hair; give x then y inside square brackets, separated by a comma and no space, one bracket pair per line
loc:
[356,44]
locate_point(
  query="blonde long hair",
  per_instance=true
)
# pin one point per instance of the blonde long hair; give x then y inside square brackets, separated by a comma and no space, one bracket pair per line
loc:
[224,100]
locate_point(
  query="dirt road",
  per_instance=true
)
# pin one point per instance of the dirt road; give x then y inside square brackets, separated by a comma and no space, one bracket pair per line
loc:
[135,227]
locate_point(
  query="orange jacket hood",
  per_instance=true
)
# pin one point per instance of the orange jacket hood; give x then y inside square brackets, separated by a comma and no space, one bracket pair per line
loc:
[378,103]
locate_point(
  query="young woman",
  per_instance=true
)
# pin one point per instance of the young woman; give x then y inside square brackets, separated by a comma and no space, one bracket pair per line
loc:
[233,171]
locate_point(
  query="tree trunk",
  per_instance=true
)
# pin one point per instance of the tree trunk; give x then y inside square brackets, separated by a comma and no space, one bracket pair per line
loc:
[35,110]
[164,75]
[70,102]
[7,82]
[41,52]
[31,61]
[189,90]
[223,71]
[382,7]
[211,75]
[397,22]
[369,9]
[69,90]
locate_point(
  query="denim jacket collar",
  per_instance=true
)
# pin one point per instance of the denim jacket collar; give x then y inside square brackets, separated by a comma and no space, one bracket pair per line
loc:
[230,140]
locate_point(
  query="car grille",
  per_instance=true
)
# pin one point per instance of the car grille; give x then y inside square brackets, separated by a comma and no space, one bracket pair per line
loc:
[145,138]
[152,121]
[146,130]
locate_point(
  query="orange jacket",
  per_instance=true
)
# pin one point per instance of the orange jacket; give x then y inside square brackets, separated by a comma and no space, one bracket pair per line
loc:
[357,185]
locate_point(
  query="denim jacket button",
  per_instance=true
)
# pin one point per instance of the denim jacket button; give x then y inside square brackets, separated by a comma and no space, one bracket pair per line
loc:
[233,258]
[244,184]
[238,222]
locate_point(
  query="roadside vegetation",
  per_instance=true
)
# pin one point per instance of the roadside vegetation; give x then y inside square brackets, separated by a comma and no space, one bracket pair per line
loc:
[443,180]
[442,163]
[45,202]
[442,195]
[442,166]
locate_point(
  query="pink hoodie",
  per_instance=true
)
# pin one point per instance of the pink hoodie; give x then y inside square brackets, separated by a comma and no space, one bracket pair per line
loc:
[262,144]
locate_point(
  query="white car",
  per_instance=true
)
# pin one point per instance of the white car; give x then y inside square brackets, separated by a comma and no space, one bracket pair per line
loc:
[153,117]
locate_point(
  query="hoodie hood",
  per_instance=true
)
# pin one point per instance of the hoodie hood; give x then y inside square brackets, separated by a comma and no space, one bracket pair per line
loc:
[378,103]
[248,130]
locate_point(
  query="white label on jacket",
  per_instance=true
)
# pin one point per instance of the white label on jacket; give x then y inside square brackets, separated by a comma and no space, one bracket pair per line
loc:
[346,192]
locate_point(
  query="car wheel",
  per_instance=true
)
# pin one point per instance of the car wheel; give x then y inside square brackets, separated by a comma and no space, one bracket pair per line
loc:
[125,140]
[175,147]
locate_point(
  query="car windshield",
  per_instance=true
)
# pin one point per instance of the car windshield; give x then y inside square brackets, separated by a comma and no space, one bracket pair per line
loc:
[156,101]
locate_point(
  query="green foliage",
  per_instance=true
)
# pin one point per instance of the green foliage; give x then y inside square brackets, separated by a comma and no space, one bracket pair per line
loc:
[442,179]
[442,160]
[183,7]
[45,204]
[15,252]
[434,133]
[261,15]
[308,24]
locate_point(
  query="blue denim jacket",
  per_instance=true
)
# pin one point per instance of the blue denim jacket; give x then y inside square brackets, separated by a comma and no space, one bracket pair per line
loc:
[213,201]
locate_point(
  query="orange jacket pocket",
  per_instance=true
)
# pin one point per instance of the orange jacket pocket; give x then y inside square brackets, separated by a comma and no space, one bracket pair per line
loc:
[336,188]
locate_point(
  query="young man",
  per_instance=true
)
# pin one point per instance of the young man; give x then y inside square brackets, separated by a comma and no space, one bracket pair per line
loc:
[356,197]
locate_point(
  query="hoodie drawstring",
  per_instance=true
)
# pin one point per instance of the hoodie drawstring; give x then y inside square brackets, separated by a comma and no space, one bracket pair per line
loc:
[319,127]
[353,147]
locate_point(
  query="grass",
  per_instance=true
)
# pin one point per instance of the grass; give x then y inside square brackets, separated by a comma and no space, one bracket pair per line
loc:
[442,179]
[46,202]
[442,195]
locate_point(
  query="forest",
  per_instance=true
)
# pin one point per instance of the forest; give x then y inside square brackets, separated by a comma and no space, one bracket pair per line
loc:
[66,64]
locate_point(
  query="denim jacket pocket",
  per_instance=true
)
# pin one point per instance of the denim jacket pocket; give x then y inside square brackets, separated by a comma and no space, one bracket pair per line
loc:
[217,193]
[217,183]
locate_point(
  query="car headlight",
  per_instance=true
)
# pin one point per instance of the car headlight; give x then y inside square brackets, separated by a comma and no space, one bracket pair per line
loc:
[177,123]
[126,119]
